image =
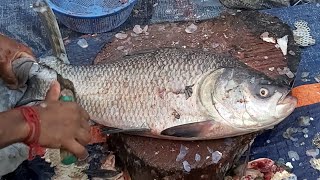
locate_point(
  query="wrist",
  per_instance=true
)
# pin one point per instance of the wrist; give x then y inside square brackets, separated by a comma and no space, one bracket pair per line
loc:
[23,128]
[13,128]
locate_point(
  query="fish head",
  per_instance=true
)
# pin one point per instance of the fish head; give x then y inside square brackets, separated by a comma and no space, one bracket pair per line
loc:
[250,100]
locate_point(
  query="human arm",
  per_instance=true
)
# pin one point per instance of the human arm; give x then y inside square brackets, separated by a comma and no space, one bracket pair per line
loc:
[63,125]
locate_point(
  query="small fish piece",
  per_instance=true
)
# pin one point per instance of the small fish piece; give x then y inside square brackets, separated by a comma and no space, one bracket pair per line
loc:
[176,93]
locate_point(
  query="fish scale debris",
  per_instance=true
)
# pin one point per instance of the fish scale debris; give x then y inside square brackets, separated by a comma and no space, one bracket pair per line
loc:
[316,140]
[317,77]
[191,28]
[197,157]
[82,43]
[183,152]
[315,163]
[312,152]
[121,35]
[302,34]
[186,166]
[304,120]
[305,74]
[293,155]
[265,37]
[216,156]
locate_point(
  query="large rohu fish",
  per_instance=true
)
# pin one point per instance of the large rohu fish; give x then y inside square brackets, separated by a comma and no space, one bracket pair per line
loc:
[177,94]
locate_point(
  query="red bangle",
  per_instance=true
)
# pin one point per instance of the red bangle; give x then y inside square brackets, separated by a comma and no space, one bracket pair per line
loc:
[32,140]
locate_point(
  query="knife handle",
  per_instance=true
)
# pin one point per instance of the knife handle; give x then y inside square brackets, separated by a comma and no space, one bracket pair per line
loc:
[66,157]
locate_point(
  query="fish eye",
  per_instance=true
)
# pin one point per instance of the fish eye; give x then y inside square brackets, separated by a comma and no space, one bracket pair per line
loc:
[264,92]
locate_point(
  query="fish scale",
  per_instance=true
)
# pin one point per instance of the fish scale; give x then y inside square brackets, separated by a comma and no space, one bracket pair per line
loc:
[124,93]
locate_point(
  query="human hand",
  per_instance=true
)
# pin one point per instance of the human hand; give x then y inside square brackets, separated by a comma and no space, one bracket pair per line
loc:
[11,50]
[64,125]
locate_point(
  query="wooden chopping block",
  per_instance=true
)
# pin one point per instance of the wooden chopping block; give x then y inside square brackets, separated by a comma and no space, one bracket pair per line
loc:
[149,158]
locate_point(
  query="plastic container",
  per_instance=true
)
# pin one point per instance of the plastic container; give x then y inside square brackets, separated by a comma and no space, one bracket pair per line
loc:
[92,16]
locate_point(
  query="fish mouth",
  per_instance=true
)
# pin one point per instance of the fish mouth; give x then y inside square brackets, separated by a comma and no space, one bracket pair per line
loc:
[286,105]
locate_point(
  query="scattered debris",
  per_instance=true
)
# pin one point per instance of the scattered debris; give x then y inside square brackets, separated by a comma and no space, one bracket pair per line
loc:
[82,43]
[285,71]
[155,4]
[291,53]
[315,163]
[293,155]
[289,132]
[145,29]
[316,140]
[183,152]
[191,29]
[120,48]
[283,44]
[216,156]
[197,157]
[305,74]
[121,35]
[215,45]
[271,69]
[304,121]
[305,80]
[109,163]
[137,29]
[305,131]
[317,77]
[265,37]
[186,166]
[312,152]
[284,175]
[264,168]
[288,164]
[302,34]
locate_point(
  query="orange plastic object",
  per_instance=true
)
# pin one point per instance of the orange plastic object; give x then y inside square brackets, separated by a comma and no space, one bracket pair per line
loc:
[96,135]
[307,94]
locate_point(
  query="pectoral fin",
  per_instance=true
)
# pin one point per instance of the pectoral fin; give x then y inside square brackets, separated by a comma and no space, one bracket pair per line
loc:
[192,130]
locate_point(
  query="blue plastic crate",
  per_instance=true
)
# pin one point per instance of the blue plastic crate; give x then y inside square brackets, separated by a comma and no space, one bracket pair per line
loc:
[92,16]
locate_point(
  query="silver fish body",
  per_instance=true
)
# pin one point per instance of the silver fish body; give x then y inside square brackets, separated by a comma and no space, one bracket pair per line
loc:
[178,94]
